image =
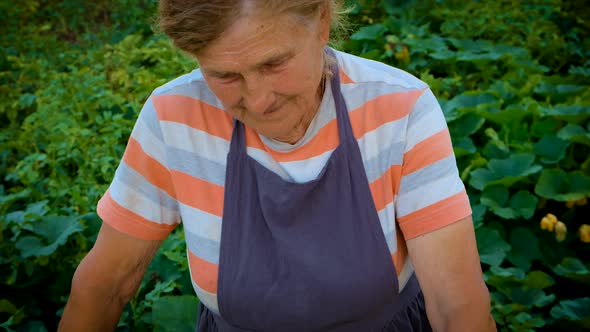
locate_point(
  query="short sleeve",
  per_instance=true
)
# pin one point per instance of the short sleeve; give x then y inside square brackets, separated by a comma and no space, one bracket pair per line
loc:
[140,200]
[431,194]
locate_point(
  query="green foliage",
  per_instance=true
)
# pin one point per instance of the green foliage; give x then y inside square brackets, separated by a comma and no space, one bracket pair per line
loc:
[513,80]
[514,87]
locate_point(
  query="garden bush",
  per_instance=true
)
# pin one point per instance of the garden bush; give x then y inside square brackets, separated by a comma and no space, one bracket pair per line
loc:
[513,80]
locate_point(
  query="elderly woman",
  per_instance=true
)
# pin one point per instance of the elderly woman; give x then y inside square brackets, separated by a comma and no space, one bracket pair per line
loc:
[318,190]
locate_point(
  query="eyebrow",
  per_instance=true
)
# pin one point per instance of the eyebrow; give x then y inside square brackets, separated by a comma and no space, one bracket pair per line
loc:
[275,58]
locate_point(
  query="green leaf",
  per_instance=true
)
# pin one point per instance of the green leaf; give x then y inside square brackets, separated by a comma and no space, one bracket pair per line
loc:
[551,149]
[569,113]
[7,306]
[53,231]
[577,311]
[469,101]
[561,186]
[504,278]
[582,71]
[525,248]
[370,32]
[496,199]
[538,280]
[175,313]
[573,268]
[530,297]
[492,248]
[463,147]
[478,212]
[524,204]
[466,125]
[525,322]
[511,114]
[575,134]
[504,171]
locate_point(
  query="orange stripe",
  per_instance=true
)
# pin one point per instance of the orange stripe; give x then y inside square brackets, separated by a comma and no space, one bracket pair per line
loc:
[396,175]
[197,193]
[204,273]
[344,78]
[382,110]
[427,152]
[366,118]
[194,113]
[381,191]
[325,140]
[435,216]
[130,223]
[151,169]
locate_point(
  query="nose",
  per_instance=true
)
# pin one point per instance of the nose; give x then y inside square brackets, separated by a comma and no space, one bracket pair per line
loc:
[257,94]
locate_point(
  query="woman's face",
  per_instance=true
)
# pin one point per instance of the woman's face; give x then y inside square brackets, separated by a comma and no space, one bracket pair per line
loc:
[266,72]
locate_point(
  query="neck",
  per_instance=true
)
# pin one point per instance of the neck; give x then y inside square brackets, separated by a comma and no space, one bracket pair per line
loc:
[301,127]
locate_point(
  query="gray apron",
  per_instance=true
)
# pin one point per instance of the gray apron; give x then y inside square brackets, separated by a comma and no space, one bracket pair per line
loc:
[307,256]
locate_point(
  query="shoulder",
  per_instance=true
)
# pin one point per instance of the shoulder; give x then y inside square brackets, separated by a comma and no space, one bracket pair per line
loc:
[190,85]
[361,71]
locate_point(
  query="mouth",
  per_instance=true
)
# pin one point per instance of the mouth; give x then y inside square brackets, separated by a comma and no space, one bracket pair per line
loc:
[272,110]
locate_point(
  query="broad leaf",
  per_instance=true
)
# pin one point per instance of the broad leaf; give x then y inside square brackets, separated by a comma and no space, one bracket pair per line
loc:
[577,311]
[524,204]
[575,134]
[371,32]
[525,248]
[492,248]
[573,268]
[504,171]
[175,313]
[570,113]
[52,231]
[466,125]
[551,149]
[561,186]
[496,199]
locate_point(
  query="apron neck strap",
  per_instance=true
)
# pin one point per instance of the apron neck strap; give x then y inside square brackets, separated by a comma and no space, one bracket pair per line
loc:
[344,127]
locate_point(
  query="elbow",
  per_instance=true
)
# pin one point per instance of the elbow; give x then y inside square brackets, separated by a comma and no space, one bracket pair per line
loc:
[91,285]
[469,313]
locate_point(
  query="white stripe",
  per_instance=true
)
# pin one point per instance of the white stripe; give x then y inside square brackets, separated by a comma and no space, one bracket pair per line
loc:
[201,143]
[387,220]
[428,194]
[363,70]
[265,159]
[381,138]
[430,120]
[306,170]
[136,202]
[150,144]
[405,274]
[201,223]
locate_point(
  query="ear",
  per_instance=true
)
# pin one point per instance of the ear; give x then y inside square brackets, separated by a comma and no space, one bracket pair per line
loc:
[325,23]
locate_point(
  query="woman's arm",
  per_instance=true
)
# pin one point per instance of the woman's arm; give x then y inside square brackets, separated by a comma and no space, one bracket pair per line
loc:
[106,279]
[448,268]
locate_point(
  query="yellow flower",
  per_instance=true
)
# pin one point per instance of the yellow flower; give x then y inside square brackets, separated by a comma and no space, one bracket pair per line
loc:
[548,222]
[560,231]
[403,54]
[585,233]
[581,202]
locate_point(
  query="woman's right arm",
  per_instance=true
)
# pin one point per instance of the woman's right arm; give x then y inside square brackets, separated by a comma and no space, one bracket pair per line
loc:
[106,279]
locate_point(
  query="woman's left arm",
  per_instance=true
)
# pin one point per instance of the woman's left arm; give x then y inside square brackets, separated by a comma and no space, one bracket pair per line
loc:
[447,265]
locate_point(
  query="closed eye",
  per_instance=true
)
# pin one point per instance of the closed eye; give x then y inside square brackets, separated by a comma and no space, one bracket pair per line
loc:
[228,77]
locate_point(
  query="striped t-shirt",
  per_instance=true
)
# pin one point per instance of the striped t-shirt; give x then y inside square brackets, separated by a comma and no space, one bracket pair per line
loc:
[173,169]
